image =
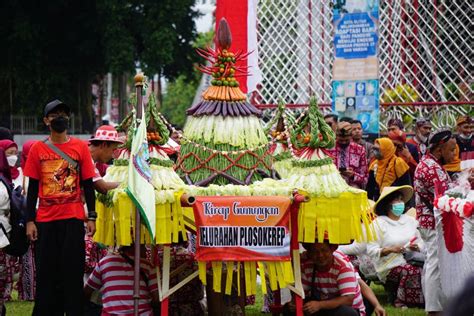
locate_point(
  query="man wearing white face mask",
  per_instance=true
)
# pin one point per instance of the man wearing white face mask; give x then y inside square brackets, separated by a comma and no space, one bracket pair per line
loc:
[11,151]
[465,139]
[422,133]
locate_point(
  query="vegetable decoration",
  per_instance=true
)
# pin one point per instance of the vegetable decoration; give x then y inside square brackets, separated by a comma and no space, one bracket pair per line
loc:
[312,130]
[281,148]
[223,140]
[115,208]
[334,206]
[157,132]
[223,97]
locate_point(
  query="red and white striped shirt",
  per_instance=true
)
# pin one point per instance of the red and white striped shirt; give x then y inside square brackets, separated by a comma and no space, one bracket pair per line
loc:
[113,276]
[339,280]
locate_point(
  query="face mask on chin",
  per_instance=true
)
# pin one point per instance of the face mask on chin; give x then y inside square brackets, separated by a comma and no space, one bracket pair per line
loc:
[422,138]
[465,137]
[60,124]
[377,154]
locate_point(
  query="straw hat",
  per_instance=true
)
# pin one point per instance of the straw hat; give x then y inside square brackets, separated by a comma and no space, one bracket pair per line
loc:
[405,190]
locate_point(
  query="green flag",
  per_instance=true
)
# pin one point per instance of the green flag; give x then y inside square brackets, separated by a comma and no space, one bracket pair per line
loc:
[139,187]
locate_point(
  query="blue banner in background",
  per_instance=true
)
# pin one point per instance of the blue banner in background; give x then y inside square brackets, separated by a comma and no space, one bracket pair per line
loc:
[355,36]
[355,85]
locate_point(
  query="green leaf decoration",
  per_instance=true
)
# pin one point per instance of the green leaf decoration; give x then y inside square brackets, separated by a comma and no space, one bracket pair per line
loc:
[321,134]
[154,122]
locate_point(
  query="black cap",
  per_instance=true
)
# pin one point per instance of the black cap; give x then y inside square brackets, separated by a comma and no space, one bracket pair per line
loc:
[440,137]
[53,105]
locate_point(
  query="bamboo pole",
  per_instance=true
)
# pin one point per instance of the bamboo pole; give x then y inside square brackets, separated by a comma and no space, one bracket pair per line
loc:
[139,78]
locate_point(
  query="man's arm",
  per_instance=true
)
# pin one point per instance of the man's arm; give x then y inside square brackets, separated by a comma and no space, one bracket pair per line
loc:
[93,283]
[361,174]
[31,199]
[370,296]
[88,292]
[315,306]
[338,301]
[103,187]
[89,195]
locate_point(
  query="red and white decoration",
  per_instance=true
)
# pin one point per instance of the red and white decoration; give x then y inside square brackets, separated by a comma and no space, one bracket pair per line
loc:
[455,227]
[240,14]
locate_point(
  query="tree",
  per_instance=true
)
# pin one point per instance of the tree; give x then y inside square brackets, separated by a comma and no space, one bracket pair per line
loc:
[56,49]
[180,92]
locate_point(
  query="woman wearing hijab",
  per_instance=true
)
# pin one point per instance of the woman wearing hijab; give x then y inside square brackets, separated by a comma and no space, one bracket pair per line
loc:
[11,151]
[399,139]
[6,180]
[26,281]
[387,169]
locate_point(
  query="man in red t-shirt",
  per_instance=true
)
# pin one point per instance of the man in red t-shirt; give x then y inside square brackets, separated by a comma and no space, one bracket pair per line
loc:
[57,225]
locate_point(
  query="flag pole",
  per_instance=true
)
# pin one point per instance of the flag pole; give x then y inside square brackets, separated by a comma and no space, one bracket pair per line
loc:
[139,78]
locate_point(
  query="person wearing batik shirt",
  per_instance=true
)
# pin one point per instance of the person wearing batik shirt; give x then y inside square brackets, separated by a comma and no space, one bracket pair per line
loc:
[430,176]
[465,138]
[357,138]
[422,133]
[349,157]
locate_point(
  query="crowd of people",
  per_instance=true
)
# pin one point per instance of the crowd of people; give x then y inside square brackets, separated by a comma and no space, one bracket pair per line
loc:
[65,272]
[402,177]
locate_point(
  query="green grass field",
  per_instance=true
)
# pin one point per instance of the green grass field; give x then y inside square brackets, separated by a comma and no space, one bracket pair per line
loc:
[379,291]
[18,308]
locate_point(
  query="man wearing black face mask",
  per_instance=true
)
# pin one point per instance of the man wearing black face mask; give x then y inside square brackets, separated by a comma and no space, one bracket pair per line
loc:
[58,168]
[431,177]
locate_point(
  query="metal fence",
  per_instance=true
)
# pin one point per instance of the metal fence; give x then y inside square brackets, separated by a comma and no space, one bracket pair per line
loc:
[24,124]
[425,50]
[425,57]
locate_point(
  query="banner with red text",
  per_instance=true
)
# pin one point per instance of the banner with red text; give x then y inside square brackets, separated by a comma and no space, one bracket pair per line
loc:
[242,228]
